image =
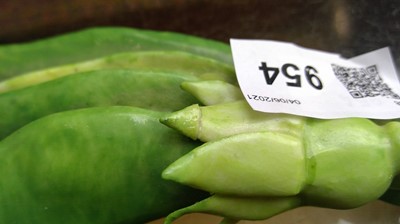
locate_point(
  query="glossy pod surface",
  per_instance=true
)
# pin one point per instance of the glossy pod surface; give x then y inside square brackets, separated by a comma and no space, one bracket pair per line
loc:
[156,61]
[97,165]
[339,163]
[97,42]
[151,90]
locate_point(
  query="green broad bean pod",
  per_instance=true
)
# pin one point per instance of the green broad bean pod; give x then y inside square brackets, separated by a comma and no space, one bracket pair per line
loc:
[151,90]
[172,61]
[211,92]
[83,143]
[259,160]
[98,42]
[152,83]
[93,165]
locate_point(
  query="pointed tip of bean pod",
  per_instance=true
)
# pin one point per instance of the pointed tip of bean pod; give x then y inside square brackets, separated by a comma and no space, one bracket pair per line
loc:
[211,92]
[177,171]
[185,121]
[250,164]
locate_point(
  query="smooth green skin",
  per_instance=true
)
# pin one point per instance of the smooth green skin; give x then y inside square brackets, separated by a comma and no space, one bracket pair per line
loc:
[176,61]
[152,90]
[393,194]
[346,162]
[352,160]
[256,164]
[92,166]
[211,92]
[97,42]
[217,92]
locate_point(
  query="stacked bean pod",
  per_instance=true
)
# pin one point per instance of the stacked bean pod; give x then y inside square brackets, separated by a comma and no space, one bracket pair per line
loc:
[82,141]
[257,165]
[80,136]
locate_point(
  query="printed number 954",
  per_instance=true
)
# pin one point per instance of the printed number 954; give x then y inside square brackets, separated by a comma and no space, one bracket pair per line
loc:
[290,72]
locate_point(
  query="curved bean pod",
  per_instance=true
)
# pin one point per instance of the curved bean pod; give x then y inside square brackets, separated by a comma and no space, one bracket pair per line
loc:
[170,61]
[95,165]
[98,42]
[341,163]
[152,90]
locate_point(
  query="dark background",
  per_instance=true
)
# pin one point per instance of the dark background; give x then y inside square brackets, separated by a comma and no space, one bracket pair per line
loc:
[347,27]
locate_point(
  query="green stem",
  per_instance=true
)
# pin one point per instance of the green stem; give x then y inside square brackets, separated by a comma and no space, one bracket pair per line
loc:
[235,208]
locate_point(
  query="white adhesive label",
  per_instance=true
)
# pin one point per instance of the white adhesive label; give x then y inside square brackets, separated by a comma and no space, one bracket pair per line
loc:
[279,77]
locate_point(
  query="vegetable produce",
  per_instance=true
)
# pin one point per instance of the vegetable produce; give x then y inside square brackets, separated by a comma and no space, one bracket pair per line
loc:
[215,92]
[83,143]
[171,61]
[93,43]
[208,123]
[100,164]
[153,84]
[94,165]
[152,90]
[251,158]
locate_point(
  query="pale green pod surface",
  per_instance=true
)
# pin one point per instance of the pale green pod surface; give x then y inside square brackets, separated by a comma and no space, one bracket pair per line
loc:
[238,208]
[211,92]
[97,42]
[392,195]
[151,90]
[350,162]
[156,61]
[208,123]
[92,166]
[250,164]
[393,131]
[342,163]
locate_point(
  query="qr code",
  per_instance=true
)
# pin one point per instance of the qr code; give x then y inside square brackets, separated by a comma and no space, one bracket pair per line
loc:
[363,82]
